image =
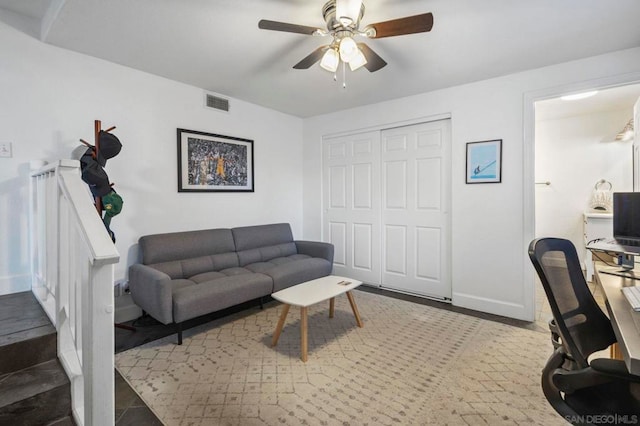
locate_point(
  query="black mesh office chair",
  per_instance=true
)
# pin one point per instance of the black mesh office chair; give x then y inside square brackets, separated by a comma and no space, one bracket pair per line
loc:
[579,390]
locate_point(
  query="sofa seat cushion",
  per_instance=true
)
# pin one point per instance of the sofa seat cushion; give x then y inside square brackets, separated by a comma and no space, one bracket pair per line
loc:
[181,283]
[220,293]
[265,266]
[232,272]
[297,271]
[229,272]
[207,276]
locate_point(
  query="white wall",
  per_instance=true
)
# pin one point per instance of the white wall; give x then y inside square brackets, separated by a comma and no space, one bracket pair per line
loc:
[50,98]
[573,153]
[489,264]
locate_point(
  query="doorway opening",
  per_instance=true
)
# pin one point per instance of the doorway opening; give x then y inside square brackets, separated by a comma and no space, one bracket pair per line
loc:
[579,151]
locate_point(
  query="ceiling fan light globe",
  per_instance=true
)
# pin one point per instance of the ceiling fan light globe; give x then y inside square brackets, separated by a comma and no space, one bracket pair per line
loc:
[348,49]
[330,60]
[358,61]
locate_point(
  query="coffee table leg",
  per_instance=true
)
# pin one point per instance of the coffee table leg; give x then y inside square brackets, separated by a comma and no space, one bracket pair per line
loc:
[283,317]
[303,333]
[354,308]
[332,306]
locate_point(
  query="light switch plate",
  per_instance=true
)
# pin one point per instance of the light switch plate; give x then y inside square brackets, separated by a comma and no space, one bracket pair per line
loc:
[5,149]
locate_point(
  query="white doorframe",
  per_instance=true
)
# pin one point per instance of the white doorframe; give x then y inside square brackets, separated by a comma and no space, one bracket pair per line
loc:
[530,98]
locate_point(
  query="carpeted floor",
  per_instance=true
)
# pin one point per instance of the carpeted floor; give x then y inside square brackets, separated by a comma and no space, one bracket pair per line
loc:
[410,364]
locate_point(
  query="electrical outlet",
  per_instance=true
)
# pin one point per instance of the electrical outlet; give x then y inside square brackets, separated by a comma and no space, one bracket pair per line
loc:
[120,287]
[5,149]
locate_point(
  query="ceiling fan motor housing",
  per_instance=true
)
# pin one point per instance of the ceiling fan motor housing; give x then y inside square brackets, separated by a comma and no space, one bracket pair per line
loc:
[333,23]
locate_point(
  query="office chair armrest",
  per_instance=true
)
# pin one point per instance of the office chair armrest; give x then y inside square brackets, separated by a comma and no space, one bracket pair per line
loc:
[571,381]
[615,368]
[599,372]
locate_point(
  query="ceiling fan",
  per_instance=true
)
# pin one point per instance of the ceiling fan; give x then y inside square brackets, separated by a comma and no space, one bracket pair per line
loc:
[343,23]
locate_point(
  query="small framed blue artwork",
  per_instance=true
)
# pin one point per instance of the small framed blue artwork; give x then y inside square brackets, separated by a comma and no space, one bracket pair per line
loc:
[484,161]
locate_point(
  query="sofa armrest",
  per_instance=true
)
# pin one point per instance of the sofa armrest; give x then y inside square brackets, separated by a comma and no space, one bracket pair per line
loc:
[316,249]
[151,290]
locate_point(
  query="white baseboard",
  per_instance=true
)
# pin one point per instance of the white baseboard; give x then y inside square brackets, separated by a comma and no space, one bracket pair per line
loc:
[126,310]
[15,284]
[491,306]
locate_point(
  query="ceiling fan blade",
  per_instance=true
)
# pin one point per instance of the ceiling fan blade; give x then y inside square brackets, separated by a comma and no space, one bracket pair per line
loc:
[311,59]
[265,24]
[409,25]
[374,62]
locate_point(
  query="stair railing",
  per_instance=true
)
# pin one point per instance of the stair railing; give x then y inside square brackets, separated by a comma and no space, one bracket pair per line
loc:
[72,265]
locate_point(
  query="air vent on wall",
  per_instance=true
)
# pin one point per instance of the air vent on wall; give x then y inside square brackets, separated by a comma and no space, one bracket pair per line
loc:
[216,102]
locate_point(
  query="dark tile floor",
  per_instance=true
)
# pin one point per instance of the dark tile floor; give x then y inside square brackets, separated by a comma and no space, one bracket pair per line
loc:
[130,409]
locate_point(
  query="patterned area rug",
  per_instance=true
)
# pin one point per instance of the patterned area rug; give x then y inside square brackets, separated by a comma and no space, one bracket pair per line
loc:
[409,365]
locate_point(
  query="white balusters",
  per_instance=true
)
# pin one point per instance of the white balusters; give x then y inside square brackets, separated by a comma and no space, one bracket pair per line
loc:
[73,273]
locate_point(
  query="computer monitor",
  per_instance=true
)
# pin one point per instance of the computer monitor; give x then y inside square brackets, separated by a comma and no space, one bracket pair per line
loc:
[626,235]
[626,217]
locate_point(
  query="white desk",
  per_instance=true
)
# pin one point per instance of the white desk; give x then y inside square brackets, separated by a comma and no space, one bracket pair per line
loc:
[625,321]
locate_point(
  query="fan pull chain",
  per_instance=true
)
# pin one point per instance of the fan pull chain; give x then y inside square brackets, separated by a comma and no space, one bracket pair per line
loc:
[344,75]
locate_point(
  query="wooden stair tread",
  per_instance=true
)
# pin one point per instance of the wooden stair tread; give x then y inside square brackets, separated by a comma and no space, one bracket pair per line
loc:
[22,317]
[31,381]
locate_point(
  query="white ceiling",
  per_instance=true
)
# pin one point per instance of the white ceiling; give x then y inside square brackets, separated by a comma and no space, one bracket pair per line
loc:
[35,9]
[216,44]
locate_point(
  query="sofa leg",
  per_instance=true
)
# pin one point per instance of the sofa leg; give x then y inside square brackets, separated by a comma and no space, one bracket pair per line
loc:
[261,302]
[179,326]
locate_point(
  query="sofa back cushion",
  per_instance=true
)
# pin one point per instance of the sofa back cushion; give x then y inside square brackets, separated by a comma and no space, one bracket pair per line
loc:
[263,242]
[249,237]
[175,246]
[264,254]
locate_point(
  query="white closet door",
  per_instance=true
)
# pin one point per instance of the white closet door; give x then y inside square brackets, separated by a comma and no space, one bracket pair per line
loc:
[415,207]
[351,220]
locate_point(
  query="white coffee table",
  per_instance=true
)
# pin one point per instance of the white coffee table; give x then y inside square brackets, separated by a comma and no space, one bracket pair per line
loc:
[309,293]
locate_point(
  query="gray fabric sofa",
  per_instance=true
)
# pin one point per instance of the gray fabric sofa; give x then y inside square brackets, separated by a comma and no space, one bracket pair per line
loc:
[184,275]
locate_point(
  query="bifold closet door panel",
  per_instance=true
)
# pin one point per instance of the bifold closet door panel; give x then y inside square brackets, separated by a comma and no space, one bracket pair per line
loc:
[351,203]
[416,188]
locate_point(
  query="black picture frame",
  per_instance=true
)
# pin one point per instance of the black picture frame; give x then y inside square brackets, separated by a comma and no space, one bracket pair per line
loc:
[208,162]
[484,162]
